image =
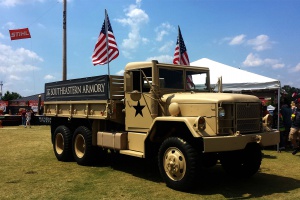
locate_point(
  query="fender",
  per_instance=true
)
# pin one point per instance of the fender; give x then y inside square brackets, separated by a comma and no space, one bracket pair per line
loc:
[188,121]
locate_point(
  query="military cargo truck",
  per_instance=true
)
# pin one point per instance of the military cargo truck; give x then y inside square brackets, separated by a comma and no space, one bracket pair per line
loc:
[156,110]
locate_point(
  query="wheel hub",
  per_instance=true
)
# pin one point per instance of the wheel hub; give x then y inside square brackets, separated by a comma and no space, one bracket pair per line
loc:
[175,164]
[80,146]
[59,143]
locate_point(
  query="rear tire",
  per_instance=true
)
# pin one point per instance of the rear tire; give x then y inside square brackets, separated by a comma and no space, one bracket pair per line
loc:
[62,143]
[177,161]
[82,146]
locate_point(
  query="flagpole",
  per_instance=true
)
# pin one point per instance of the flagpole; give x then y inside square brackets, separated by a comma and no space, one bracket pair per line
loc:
[106,32]
[64,75]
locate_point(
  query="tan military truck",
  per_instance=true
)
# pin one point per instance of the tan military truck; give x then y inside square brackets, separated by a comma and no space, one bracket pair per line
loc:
[158,110]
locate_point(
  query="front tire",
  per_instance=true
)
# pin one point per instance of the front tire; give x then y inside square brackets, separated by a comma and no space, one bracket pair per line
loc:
[177,161]
[62,143]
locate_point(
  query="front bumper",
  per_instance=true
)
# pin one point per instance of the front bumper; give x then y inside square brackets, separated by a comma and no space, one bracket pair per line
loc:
[231,143]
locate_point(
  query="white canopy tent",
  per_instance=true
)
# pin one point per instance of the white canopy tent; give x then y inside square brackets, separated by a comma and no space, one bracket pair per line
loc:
[236,80]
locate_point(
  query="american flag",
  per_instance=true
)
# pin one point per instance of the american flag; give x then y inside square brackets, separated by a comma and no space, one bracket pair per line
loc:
[294,94]
[181,57]
[106,48]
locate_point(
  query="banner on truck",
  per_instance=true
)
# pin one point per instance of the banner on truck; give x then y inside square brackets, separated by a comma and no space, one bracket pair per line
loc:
[90,88]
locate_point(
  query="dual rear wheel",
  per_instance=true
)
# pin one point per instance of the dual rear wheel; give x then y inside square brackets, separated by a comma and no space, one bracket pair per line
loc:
[77,146]
[62,143]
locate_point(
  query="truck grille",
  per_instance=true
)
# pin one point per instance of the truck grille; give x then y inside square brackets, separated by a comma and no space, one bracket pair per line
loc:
[242,117]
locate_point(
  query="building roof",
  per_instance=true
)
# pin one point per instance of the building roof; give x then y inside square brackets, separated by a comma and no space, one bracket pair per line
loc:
[31,98]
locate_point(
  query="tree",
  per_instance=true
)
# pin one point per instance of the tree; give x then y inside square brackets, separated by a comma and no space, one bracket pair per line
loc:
[289,92]
[11,96]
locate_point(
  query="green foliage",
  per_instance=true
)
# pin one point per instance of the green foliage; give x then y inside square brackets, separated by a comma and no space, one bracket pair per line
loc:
[289,92]
[11,96]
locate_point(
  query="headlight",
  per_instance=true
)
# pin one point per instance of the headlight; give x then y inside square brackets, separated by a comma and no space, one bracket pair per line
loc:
[200,123]
[221,112]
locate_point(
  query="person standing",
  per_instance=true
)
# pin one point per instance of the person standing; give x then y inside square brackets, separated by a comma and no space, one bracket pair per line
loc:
[28,118]
[23,113]
[295,129]
[277,115]
[286,112]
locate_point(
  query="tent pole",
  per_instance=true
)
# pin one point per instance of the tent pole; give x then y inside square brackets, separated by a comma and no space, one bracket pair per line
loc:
[278,110]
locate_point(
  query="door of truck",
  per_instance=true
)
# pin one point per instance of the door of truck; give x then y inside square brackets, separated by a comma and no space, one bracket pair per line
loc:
[137,100]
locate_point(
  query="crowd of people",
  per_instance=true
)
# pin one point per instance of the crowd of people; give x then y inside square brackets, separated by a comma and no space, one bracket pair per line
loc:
[289,124]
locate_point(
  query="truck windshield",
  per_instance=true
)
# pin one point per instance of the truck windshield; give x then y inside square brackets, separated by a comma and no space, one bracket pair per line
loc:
[174,79]
[199,80]
[171,78]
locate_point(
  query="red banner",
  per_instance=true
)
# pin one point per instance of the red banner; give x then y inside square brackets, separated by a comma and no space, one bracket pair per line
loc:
[35,103]
[18,103]
[19,34]
[3,105]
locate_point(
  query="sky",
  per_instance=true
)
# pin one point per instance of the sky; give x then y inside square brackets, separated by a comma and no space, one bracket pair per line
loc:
[259,36]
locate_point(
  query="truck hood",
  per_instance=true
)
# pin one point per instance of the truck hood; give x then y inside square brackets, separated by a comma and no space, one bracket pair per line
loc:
[192,97]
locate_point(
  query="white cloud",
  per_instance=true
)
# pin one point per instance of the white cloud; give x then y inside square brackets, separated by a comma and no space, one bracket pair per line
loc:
[135,18]
[19,60]
[297,68]
[14,77]
[166,47]
[274,63]
[237,40]
[162,30]
[138,2]
[120,73]
[260,43]
[1,36]
[161,59]
[145,40]
[18,67]
[49,77]
[12,3]
[28,53]
[8,25]
[127,54]
[253,60]
[278,66]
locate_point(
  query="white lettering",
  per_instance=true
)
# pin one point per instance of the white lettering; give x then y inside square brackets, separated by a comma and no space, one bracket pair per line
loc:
[19,34]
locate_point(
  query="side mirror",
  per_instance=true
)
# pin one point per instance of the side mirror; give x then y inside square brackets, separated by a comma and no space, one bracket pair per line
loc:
[128,81]
[220,86]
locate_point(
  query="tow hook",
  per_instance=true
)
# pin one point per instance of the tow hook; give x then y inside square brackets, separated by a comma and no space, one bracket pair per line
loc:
[237,133]
[256,139]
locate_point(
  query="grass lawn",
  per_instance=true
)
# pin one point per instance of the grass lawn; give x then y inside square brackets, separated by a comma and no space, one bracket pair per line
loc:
[30,170]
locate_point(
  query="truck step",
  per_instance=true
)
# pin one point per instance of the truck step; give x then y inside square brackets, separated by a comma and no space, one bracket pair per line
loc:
[132,153]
